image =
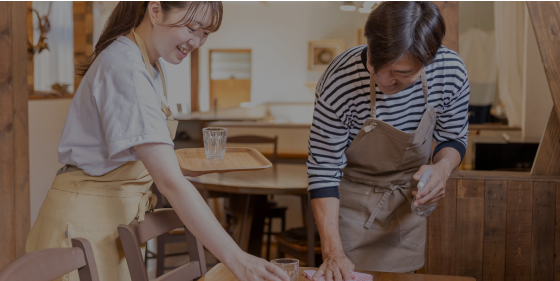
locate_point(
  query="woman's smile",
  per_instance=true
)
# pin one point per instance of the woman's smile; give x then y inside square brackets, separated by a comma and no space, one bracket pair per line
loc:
[183,52]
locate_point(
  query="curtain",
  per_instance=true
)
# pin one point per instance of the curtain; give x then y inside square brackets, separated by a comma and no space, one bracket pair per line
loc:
[55,65]
[478,51]
[510,25]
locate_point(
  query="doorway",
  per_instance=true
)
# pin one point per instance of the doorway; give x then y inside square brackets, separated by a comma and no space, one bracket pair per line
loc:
[230,78]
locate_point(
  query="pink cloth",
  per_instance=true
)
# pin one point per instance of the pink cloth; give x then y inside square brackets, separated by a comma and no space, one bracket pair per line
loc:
[356,276]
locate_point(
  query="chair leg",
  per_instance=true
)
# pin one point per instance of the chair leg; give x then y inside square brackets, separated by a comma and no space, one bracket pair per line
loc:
[268,235]
[160,256]
[146,256]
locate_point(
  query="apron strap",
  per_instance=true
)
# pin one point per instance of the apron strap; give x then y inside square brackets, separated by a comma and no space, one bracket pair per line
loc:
[146,59]
[378,207]
[372,93]
[424,85]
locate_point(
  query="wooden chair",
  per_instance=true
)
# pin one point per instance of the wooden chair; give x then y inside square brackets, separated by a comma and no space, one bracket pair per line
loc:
[49,264]
[273,210]
[173,236]
[155,224]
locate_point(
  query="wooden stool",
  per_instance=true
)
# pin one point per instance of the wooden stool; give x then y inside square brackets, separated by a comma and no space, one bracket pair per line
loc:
[273,211]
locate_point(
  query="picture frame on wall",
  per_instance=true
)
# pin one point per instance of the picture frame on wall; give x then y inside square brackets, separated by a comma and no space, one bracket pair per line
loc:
[322,52]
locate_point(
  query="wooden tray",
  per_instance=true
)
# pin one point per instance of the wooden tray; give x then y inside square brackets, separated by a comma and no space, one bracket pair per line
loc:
[193,161]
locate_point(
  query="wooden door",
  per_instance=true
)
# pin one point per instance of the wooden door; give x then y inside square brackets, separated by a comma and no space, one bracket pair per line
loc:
[230,77]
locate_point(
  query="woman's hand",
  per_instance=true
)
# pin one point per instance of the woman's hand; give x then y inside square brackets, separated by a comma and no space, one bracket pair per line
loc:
[251,268]
[336,267]
[434,190]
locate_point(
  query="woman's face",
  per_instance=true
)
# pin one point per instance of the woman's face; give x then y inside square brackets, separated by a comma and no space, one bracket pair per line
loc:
[174,43]
[399,76]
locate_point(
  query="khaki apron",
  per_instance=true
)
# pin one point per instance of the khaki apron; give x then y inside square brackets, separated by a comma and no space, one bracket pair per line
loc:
[379,231]
[80,205]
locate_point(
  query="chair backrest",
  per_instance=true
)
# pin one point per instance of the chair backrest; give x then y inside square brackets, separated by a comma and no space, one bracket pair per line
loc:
[49,264]
[155,224]
[257,140]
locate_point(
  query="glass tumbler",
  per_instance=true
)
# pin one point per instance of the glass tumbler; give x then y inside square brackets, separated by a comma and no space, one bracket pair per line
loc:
[214,142]
[290,266]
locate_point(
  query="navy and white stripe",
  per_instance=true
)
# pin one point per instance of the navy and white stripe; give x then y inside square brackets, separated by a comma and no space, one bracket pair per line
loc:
[342,104]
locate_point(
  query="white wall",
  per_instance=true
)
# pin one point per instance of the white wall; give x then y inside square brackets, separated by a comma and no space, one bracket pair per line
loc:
[278,34]
[46,120]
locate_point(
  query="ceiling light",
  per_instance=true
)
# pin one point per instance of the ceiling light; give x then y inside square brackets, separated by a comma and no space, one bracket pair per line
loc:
[364,10]
[348,6]
[369,6]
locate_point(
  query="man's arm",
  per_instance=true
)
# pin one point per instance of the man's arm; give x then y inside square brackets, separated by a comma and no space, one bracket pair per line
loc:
[336,266]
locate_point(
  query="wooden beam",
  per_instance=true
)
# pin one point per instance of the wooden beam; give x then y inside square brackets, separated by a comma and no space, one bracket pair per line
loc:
[83,33]
[195,106]
[30,63]
[547,161]
[14,136]
[450,12]
[545,17]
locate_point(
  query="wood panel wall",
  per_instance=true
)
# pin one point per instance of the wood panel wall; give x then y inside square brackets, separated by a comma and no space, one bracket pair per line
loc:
[14,135]
[450,12]
[500,226]
[83,33]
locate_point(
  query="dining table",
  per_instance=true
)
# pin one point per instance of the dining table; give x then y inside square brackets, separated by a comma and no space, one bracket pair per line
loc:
[221,273]
[248,192]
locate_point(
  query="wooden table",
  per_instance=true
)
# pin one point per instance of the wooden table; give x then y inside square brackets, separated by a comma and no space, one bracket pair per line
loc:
[221,273]
[248,197]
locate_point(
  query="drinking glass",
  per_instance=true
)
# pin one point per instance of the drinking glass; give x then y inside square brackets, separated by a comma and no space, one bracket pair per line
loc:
[290,266]
[214,142]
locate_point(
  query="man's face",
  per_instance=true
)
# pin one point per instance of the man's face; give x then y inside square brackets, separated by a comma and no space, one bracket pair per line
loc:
[396,77]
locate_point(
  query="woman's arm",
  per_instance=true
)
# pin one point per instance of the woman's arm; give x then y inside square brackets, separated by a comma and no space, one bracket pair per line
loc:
[161,162]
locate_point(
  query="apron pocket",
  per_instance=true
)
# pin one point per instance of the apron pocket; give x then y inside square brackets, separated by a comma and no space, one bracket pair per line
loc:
[351,220]
[418,154]
[412,228]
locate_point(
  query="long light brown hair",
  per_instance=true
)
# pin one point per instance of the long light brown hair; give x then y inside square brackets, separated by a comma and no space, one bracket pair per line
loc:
[128,15]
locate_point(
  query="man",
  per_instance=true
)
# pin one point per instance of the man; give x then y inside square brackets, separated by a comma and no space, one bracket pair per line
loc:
[369,145]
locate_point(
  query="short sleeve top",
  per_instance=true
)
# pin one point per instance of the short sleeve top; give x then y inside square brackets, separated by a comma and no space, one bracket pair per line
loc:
[117,106]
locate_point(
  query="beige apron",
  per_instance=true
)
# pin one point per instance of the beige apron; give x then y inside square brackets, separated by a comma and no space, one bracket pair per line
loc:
[80,205]
[379,232]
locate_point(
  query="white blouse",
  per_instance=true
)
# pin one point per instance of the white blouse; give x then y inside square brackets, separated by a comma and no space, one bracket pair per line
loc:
[116,107]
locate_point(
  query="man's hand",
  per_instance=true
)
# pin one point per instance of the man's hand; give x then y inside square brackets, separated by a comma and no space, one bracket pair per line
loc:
[434,190]
[336,267]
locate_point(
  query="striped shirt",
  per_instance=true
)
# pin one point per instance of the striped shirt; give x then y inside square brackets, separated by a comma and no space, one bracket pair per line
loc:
[342,104]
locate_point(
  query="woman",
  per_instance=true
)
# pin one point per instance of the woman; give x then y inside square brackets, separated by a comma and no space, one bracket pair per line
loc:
[378,109]
[117,140]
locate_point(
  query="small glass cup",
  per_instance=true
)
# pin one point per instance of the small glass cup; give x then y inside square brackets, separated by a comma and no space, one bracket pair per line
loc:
[214,142]
[290,266]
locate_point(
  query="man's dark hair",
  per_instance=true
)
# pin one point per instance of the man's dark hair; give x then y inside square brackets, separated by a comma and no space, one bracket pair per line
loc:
[394,29]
